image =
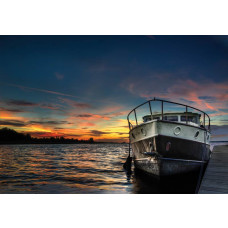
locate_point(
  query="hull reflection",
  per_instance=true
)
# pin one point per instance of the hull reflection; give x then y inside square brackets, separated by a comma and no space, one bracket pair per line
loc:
[144,183]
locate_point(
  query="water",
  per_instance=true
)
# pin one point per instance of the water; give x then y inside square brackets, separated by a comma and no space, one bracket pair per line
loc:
[78,168]
[62,168]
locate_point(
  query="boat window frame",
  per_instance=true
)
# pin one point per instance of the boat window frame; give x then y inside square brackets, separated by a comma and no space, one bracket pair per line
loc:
[196,119]
[162,113]
[166,117]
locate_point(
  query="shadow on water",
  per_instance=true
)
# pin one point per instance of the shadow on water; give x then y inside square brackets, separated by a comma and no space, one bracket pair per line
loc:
[147,184]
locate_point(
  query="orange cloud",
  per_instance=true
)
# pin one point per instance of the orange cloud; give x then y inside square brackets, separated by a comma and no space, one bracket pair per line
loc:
[86,124]
[210,107]
[178,89]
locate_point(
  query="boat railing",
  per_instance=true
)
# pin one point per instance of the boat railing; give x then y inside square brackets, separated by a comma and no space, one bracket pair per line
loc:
[150,107]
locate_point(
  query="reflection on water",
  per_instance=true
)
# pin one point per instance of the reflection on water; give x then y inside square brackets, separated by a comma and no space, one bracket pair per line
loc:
[86,168]
[183,184]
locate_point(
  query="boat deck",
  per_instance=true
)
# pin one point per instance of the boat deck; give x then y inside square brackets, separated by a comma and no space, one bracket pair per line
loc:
[215,180]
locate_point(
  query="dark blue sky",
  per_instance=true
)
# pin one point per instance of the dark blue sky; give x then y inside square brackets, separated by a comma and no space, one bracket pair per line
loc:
[109,75]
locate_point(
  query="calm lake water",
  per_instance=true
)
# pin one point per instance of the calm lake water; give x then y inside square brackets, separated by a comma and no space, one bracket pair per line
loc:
[80,168]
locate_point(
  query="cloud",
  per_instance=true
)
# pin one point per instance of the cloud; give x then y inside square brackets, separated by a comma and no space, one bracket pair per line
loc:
[59,76]
[98,133]
[24,103]
[86,124]
[27,104]
[21,103]
[81,105]
[11,121]
[91,116]
[85,115]
[50,122]
[219,114]
[110,109]
[75,104]
[116,114]
[41,134]
[14,123]
[11,110]
[40,90]
[203,93]
[49,106]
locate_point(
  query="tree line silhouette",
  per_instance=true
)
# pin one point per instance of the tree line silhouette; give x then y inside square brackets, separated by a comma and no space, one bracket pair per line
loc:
[9,136]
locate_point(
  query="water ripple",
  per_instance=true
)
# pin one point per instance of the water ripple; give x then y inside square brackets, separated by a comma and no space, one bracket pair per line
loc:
[83,168]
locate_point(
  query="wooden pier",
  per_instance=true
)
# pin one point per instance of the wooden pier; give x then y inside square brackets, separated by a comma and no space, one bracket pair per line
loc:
[215,180]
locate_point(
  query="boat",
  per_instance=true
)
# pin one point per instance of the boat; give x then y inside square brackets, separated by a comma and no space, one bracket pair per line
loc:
[169,138]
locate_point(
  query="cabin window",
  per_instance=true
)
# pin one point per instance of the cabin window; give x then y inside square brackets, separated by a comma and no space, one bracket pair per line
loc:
[156,118]
[171,118]
[145,119]
[189,118]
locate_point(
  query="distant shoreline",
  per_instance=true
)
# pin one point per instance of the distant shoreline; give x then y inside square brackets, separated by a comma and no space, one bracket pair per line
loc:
[12,137]
[31,143]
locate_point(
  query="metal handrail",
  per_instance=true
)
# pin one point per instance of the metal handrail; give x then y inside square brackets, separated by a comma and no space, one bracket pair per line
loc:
[162,104]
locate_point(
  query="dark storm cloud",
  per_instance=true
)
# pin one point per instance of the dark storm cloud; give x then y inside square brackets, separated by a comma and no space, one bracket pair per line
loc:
[21,103]
[98,133]
[85,115]
[50,122]
[14,123]
[18,123]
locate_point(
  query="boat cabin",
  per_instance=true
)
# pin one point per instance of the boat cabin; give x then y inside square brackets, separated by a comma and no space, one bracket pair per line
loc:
[192,118]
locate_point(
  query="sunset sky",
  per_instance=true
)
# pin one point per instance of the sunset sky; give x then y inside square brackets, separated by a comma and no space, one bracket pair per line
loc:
[84,86]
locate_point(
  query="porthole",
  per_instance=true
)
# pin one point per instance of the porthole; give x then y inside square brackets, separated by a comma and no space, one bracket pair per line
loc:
[196,134]
[177,130]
